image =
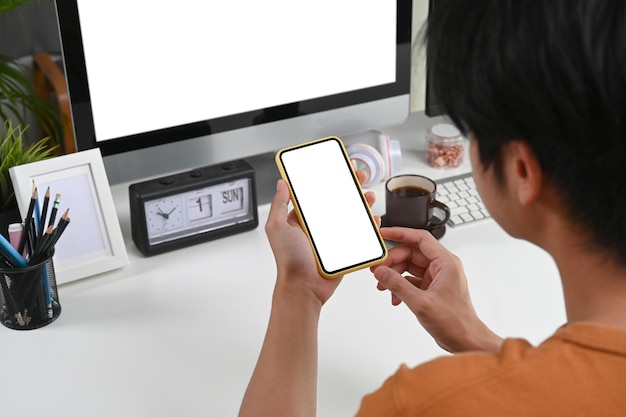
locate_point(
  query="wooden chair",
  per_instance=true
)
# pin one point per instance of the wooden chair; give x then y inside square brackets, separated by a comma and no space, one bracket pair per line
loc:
[50,82]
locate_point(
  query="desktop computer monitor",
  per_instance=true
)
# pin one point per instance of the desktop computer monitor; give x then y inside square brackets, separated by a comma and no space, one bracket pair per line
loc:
[162,87]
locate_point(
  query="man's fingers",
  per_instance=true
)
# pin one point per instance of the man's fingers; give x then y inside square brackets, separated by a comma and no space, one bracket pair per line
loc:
[428,247]
[407,235]
[400,286]
[361,175]
[280,203]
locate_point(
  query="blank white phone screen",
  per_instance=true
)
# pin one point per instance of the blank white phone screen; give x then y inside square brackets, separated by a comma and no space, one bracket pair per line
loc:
[333,209]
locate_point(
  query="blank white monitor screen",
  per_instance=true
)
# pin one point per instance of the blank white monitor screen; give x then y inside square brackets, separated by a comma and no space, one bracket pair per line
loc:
[231,79]
[221,58]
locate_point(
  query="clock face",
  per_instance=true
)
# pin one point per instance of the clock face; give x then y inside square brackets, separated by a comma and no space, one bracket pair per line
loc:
[164,215]
[196,211]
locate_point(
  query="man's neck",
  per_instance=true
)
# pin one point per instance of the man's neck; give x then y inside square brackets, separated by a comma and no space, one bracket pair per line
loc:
[594,284]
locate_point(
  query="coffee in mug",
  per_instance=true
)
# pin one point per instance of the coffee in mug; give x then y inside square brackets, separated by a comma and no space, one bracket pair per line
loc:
[410,202]
[410,191]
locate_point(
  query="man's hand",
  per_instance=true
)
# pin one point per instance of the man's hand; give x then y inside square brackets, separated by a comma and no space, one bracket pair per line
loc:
[430,280]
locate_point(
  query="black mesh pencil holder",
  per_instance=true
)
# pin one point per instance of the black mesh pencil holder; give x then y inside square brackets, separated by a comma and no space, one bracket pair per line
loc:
[28,296]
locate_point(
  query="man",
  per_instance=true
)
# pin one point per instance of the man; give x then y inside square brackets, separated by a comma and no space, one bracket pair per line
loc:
[540,89]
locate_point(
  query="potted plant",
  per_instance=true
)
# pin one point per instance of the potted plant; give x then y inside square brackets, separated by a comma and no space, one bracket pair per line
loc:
[13,152]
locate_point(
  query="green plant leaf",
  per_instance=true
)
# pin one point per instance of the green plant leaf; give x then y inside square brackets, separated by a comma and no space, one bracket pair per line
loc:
[13,152]
[18,95]
[7,5]
[12,79]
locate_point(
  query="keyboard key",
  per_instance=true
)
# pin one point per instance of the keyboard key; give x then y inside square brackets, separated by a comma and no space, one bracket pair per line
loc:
[455,211]
[467,217]
[460,195]
[455,220]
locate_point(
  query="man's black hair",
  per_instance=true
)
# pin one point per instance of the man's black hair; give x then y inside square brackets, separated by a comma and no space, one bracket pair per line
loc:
[551,73]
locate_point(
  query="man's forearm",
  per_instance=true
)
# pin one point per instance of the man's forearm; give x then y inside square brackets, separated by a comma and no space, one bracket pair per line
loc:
[284,382]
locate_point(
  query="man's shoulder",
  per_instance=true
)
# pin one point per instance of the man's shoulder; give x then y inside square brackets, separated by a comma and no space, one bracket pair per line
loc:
[411,391]
[580,346]
[465,370]
[569,371]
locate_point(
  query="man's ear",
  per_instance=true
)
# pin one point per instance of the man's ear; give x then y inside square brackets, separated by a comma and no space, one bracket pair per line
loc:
[527,175]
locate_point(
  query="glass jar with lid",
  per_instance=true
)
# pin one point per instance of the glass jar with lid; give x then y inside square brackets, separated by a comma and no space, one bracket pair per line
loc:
[446,146]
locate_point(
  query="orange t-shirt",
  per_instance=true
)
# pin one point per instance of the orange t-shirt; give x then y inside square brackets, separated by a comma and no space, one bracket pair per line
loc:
[579,371]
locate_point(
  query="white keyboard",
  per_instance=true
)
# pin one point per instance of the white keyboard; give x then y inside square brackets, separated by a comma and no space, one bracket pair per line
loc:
[460,195]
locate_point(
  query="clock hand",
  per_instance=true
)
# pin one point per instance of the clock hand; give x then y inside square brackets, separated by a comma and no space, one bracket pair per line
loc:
[163,214]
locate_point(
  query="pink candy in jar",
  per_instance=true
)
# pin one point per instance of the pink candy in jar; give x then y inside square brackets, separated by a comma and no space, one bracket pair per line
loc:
[445,146]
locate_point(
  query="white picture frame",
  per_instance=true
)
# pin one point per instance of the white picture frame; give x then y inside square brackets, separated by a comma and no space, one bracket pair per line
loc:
[92,242]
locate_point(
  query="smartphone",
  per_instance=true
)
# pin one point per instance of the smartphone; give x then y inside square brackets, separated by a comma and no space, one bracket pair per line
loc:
[331,206]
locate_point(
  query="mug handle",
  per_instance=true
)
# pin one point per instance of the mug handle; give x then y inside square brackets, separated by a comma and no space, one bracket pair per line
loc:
[442,207]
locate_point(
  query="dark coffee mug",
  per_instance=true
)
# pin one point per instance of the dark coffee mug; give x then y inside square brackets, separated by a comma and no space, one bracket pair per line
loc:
[410,202]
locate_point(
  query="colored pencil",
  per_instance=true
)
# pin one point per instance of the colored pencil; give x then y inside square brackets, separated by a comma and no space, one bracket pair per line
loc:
[28,219]
[44,212]
[9,253]
[55,207]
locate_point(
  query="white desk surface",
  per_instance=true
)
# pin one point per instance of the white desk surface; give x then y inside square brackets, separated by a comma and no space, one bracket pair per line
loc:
[179,334]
